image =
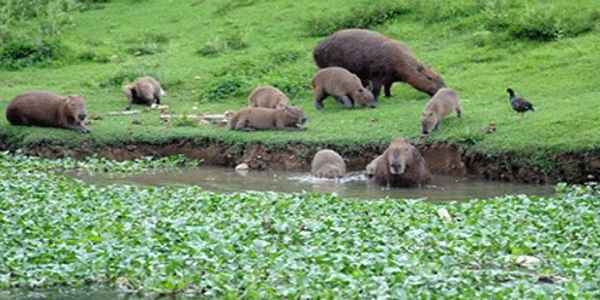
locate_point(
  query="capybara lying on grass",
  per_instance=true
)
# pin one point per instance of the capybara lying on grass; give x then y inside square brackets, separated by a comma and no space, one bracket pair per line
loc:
[268,97]
[328,164]
[344,86]
[401,165]
[48,110]
[145,90]
[259,118]
[376,58]
[442,104]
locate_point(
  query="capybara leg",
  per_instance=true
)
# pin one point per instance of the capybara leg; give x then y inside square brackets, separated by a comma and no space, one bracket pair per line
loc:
[157,100]
[376,90]
[459,112]
[319,97]
[344,100]
[78,128]
[387,89]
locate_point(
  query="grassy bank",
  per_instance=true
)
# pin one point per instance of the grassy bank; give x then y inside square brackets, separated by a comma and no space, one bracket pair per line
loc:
[57,231]
[210,54]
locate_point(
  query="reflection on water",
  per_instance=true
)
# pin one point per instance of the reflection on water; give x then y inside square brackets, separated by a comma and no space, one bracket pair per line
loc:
[226,180]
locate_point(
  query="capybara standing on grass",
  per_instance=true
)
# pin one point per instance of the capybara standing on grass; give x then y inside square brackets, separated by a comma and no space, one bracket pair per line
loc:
[259,118]
[268,97]
[48,110]
[401,165]
[145,90]
[442,104]
[344,86]
[328,164]
[376,58]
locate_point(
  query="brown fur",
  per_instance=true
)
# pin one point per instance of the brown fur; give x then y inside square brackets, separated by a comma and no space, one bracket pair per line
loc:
[268,97]
[401,165]
[48,110]
[145,90]
[376,58]
[258,118]
[328,164]
[442,104]
[344,86]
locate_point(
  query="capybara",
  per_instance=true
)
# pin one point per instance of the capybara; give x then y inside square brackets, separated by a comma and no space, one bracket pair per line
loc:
[441,104]
[328,164]
[401,165]
[259,118]
[145,90]
[344,86]
[48,110]
[268,97]
[376,58]
[370,169]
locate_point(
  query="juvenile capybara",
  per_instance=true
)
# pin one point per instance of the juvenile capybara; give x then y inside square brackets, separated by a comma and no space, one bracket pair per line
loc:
[376,58]
[145,90]
[401,165]
[259,118]
[328,164]
[370,169]
[441,104]
[268,97]
[48,110]
[344,86]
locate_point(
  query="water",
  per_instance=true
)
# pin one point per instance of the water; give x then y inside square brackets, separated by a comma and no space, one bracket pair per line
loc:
[225,180]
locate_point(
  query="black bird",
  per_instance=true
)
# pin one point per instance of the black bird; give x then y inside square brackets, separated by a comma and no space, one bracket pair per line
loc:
[518,104]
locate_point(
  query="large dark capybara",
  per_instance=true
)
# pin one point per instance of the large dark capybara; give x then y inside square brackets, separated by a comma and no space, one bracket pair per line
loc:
[401,165]
[344,86]
[442,104]
[48,110]
[259,118]
[145,90]
[376,58]
[328,164]
[268,97]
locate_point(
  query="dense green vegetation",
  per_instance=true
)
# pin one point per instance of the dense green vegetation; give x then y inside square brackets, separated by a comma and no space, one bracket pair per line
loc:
[210,54]
[59,231]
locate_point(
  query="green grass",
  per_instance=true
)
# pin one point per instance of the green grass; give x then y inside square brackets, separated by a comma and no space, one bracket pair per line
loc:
[480,49]
[57,231]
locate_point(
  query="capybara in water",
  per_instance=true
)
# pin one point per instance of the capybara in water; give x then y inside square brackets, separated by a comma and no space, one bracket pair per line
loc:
[376,58]
[344,86]
[441,104]
[48,110]
[401,165]
[259,118]
[370,169]
[328,164]
[268,97]
[145,90]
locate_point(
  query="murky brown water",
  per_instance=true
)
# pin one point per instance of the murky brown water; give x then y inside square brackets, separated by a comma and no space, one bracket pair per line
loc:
[226,180]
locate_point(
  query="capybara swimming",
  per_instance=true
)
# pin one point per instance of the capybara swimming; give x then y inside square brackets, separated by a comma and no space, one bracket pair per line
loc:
[259,118]
[328,164]
[376,58]
[401,165]
[268,97]
[441,104]
[145,90]
[344,86]
[48,110]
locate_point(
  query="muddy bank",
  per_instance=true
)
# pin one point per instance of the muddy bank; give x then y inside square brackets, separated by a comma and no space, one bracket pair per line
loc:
[442,158]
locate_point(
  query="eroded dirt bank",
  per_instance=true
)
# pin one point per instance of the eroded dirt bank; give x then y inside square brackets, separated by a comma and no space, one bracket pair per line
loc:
[442,158]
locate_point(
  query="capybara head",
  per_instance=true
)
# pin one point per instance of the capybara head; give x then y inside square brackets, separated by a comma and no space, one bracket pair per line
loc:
[294,116]
[364,97]
[329,171]
[400,154]
[430,81]
[428,122]
[75,106]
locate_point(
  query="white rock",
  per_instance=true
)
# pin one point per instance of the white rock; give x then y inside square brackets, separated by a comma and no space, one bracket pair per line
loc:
[529,262]
[242,167]
[444,215]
